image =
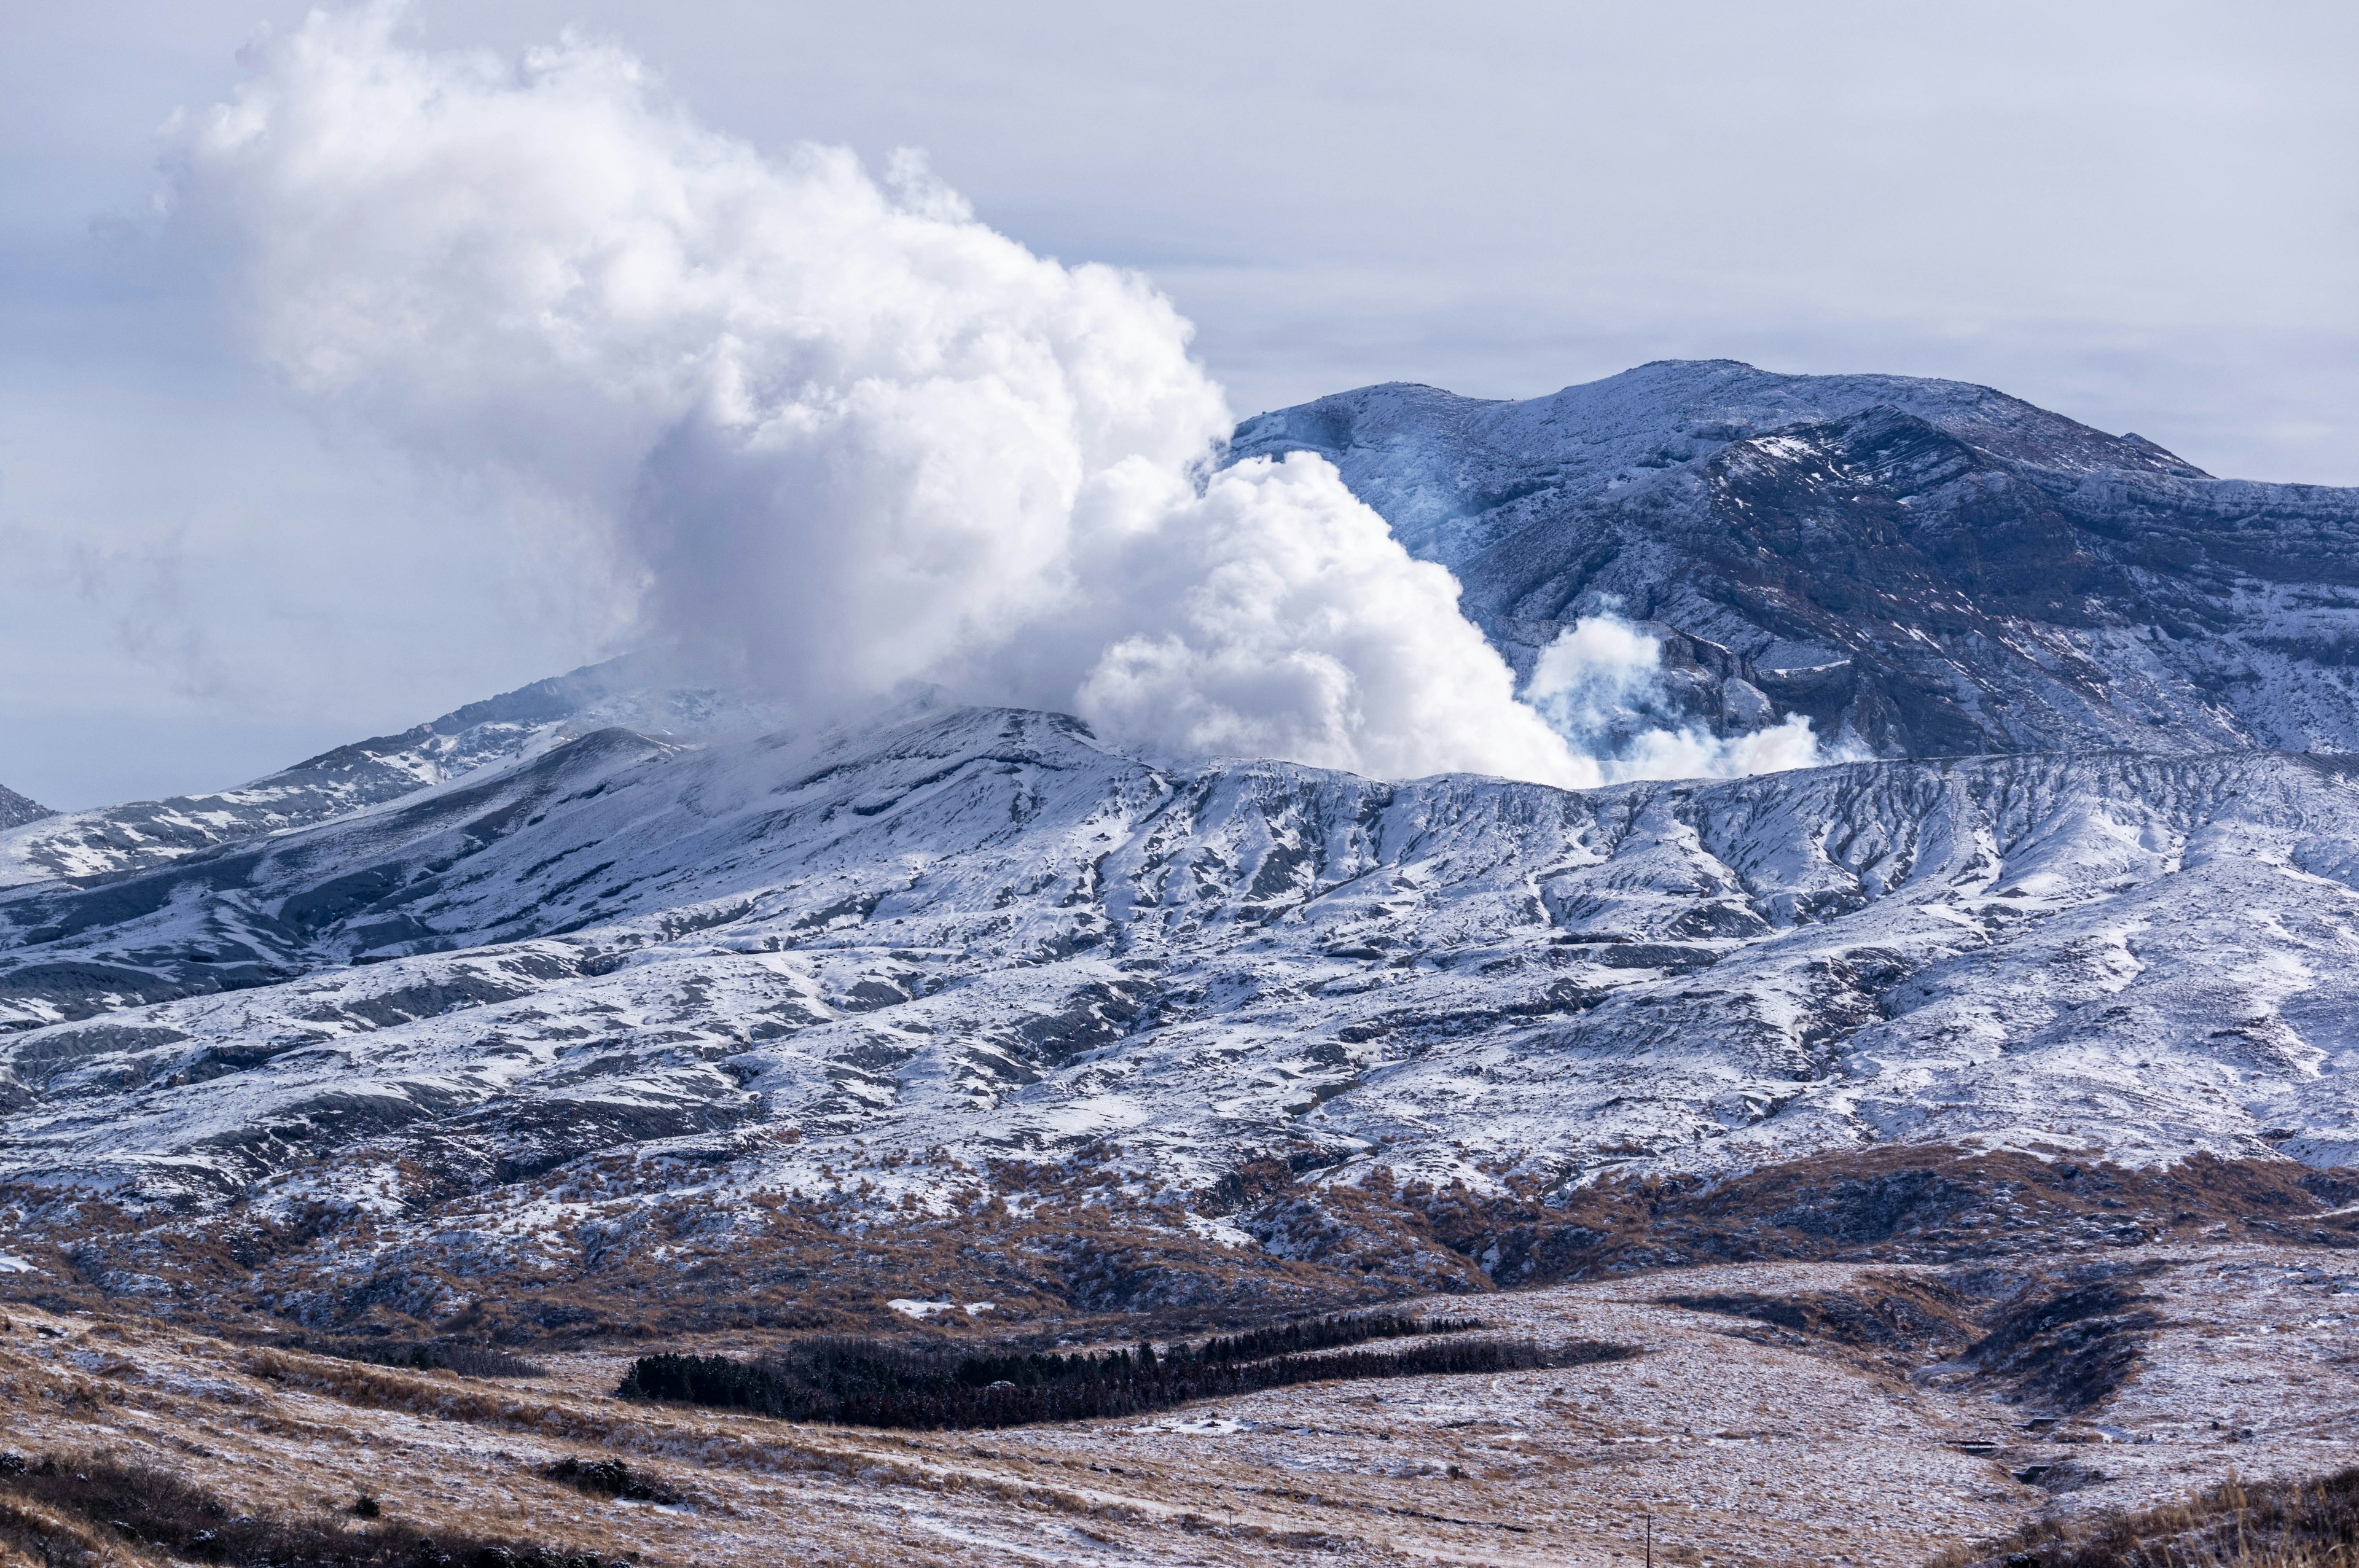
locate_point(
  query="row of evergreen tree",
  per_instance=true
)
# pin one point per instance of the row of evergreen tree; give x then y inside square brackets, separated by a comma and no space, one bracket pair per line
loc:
[1326,1334]
[858,1382]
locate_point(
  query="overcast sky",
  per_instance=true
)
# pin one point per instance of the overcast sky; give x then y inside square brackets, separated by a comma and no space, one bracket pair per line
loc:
[2142,215]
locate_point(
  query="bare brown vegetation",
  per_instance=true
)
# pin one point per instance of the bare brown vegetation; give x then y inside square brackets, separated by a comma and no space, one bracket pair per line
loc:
[1078,1247]
[68,1509]
[2283,1524]
[1783,1413]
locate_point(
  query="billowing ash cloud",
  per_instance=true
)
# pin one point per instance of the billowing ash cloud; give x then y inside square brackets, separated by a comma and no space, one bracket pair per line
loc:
[835,434]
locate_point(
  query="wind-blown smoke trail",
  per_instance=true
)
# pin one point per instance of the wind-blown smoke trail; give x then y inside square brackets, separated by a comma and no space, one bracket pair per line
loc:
[837,433]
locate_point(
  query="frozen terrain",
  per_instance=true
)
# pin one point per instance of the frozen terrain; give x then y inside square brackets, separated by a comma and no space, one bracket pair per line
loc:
[978,930]
[1922,567]
[614,972]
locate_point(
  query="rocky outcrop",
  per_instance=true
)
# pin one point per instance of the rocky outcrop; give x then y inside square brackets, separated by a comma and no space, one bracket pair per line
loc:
[15,810]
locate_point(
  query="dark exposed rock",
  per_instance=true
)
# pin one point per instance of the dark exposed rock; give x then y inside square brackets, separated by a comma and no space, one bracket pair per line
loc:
[2068,1349]
[1921,1205]
[1928,567]
[15,810]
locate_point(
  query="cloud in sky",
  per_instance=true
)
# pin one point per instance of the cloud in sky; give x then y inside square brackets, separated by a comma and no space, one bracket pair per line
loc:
[2058,203]
[835,434]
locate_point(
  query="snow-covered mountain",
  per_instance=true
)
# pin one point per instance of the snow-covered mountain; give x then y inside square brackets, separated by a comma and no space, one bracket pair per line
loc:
[553,987]
[977,928]
[977,934]
[16,810]
[638,690]
[1923,568]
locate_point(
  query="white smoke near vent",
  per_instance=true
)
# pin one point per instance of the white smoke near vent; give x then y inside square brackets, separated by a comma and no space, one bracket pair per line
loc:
[834,434]
[1601,686]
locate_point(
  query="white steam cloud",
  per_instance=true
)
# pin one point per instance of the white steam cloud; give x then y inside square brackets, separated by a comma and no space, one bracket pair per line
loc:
[834,433]
[1601,684]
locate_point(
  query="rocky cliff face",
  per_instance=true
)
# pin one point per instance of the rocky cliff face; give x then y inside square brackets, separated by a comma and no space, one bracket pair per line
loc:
[15,810]
[1924,569]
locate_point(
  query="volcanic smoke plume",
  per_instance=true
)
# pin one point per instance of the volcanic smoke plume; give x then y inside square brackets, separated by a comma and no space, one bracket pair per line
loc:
[834,434]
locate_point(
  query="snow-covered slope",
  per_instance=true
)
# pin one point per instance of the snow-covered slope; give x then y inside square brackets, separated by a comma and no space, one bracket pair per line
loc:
[550,989]
[631,691]
[1922,566]
[16,810]
[979,931]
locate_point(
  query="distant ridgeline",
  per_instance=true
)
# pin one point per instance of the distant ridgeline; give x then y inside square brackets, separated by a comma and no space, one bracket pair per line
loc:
[864,1382]
[1922,567]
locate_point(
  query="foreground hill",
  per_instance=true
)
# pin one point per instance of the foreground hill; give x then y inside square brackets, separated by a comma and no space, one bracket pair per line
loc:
[1776,1414]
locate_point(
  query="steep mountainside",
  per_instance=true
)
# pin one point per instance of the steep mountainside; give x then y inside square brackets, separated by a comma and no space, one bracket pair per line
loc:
[81,845]
[975,937]
[609,995]
[16,810]
[1925,567]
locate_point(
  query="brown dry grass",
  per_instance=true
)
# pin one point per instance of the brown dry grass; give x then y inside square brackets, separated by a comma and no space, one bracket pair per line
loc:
[646,1251]
[2286,1524]
[1748,1448]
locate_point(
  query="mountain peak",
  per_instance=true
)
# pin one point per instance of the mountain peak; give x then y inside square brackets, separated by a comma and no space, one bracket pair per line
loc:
[15,810]
[1959,570]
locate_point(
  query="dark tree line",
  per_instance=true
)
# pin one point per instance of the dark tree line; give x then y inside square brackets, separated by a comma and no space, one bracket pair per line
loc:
[859,1382]
[1327,1333]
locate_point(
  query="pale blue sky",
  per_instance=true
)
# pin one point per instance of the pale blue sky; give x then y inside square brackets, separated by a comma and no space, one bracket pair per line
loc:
[2142,215]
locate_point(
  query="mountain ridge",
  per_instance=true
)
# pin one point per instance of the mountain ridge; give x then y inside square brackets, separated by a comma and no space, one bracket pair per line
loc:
[1919,567]
[970,979]
[643,690]
[1000,853]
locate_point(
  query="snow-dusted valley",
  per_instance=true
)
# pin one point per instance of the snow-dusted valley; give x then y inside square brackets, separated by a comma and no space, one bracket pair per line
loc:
[608,1009]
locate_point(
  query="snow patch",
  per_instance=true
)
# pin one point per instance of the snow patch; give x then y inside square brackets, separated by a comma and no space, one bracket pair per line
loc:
[916,1309]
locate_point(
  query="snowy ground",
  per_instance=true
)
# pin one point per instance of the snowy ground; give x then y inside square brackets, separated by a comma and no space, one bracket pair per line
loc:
[964,943]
